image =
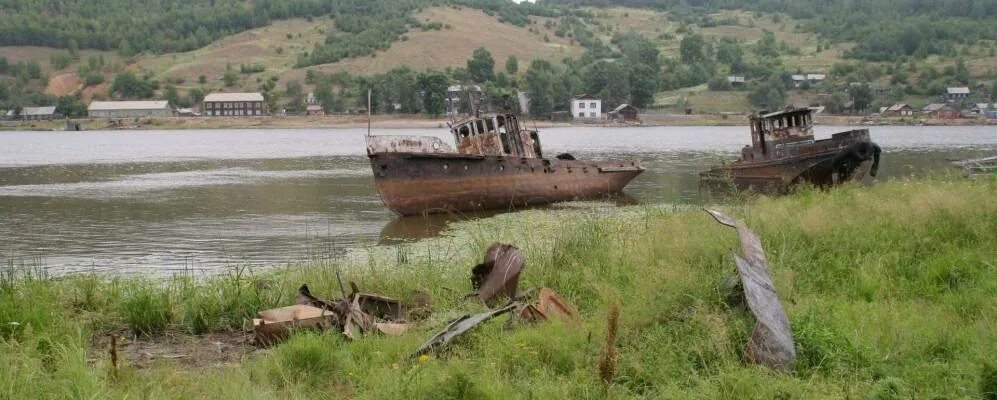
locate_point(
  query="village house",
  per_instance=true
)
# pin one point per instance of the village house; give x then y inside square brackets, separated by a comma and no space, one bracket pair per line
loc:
[798,80]
[957,93]
[524,102]
[981,108]
[816,78]
[310,99]
[234,104]
[314,109]
[456,101]
[624,112]
[38,113]
[899,110]
[735,80]
[940,111]
[129,109]
[586,106]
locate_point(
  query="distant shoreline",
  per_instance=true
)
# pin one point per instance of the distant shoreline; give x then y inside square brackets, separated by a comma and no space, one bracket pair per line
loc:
[420,122]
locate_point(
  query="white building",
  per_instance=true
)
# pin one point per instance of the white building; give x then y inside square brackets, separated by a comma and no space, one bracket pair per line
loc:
[129,109]
[585,106]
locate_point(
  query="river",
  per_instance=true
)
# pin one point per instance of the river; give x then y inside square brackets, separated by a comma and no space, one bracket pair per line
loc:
[155,202]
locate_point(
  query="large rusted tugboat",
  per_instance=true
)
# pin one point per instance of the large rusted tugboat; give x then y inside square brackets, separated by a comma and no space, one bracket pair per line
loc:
[783,153]
[497,164]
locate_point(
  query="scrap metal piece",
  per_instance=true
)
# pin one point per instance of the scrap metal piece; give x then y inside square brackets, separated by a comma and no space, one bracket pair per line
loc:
[771,341]
[552,304]
[460,326]
[498,274]
[275,324]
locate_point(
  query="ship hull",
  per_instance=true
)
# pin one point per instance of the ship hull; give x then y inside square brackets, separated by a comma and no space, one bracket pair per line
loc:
[420,183]
[825,163]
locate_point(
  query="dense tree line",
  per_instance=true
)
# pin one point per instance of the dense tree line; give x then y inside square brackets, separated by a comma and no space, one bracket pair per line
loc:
[132,26]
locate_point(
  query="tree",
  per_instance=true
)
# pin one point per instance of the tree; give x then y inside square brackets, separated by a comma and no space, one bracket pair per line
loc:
[195,96]
[170,94]
[71,106]
[481,66]
[768,94]
[691,49]
[643,85]
[961,72]
[325,96]
[767,48]
[433,87]
[512,65]
[296,99]
[730,53]
[540,82]
[127,85]
[861,96]
[230,78]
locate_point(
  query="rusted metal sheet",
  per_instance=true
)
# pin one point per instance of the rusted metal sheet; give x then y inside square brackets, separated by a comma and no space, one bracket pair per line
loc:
[783,153]
[552,305]
[549,305]
[460,326]
[498,275]
[406,144]
[771,341]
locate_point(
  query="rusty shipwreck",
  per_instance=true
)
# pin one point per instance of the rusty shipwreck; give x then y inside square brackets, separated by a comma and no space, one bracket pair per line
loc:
[784,153]
[497,164]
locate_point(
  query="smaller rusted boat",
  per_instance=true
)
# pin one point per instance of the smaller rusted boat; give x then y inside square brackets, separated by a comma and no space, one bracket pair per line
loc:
[784,153]
[497,164]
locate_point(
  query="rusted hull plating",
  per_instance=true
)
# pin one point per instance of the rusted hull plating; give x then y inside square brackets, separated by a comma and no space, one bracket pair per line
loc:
[822,163]
[419,183]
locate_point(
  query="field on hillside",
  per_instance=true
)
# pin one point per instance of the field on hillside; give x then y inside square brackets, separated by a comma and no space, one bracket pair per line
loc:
[891,293]
[275,47]
[468,29]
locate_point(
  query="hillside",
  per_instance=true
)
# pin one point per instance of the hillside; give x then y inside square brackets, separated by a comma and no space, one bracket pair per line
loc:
[425,35]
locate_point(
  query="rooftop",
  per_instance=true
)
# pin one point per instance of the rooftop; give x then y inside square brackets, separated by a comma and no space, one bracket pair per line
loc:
[128,105]
[29,111]
[256,96]
[958,90]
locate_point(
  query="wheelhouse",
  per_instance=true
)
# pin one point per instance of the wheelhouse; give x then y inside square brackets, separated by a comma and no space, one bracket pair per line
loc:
[497,135]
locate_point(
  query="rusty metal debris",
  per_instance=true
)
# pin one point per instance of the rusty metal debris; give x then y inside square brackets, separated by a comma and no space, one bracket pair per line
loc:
[498,274]
[460,326]
[771,342]
[354,314]
[274,325]
[549,305]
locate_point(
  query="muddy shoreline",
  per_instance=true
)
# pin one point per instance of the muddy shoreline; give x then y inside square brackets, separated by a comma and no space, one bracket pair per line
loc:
[410,121]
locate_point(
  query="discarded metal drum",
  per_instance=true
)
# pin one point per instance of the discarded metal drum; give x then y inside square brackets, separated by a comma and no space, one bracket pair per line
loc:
[771,341]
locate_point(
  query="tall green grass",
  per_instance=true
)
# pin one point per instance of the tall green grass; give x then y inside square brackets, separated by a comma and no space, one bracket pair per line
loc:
[891,293]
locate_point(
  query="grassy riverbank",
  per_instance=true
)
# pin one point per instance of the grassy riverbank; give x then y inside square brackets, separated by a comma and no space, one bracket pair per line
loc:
[891,293]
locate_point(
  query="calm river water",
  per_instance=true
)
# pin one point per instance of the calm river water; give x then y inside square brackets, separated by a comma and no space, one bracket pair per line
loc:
[160,201]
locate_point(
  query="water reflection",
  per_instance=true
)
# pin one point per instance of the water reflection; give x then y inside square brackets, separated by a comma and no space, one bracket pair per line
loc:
[148,202]
[412,228]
